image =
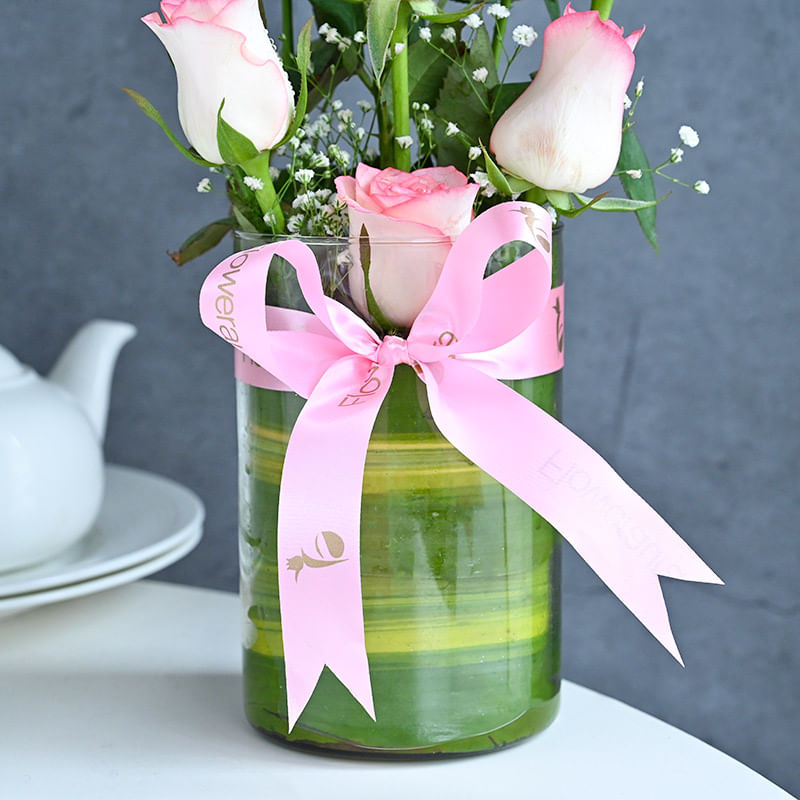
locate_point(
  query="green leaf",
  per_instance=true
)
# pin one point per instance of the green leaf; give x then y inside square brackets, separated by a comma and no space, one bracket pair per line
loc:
[481,55]
[303,60]
[427,68]
[633,156]
[502,97]
[234,147]
[614,203]
[465,102]
[553,8]
[347,18]
[452,16]
[559,200]
[518,185]
[425,8]
[497,178]
[150,111]
[243,221]
[381,22]
[372,304]
[203,240]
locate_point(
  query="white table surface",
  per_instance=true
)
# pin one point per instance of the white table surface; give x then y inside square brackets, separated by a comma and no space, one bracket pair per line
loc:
[136,693]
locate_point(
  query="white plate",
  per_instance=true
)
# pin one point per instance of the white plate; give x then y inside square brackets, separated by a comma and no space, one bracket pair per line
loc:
[143,516]
[13,605]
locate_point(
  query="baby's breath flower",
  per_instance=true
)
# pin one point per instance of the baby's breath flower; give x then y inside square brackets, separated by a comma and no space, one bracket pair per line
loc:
[293,223]
[305,176]
[627,102]
[473,21]
[425,107]
[215,170]
[676,155]
[331,34]
[480,177]
[640,87]
[360,37]
[204,186]
[320,161]
[253,183]
[336,105]
[498,11]
[688,136]
[452,129]
[449,34]
[480,74]
[524,35]
[476,152]
[324,28]
[294,142]
[274,172]
[343,44]
[415,106]
[404,142]
[701,187]
[305,149]
[359,134]
[399,47]
[323,194]
[634,173]
[270,219]
[553,213]
[425,34]
[365,106]
[345,115]
[426,123]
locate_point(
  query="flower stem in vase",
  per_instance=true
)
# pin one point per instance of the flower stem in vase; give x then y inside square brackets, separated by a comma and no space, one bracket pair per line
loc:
[266,196]
[603,6]
[400,94]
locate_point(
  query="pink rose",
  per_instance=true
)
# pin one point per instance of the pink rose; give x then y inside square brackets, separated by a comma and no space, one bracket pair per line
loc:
[564,132]
[221,51]
[424,210]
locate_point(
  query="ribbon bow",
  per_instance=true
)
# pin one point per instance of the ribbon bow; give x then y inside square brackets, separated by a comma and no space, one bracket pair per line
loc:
[471,333]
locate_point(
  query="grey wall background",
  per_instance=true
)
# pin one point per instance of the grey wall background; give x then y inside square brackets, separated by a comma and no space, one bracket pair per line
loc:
[682,369]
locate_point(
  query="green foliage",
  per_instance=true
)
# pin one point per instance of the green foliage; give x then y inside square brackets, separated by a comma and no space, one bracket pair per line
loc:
[150,111]
[504,95]
[381,22]
[365,252]
[553,8]
[427,69]
[303,62]
[447,18]
[234,147]
[346,17]
[465,102]
[633,156]
[203,240]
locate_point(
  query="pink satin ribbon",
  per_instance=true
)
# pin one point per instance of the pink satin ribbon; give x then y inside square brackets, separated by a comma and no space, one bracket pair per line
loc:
[472,333]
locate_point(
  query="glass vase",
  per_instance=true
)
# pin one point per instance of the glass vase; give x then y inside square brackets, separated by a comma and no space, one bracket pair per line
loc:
[460,578]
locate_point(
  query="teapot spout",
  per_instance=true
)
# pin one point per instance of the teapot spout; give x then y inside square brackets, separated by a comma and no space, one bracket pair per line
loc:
[86,367]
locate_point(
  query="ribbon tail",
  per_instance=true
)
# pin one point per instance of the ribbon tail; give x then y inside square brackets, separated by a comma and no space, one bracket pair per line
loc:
[614,530]
[319,513]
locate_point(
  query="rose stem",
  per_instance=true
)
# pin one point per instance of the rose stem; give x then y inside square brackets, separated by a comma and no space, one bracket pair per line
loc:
[402,122]
[287,50]
[603,6]
[499,35]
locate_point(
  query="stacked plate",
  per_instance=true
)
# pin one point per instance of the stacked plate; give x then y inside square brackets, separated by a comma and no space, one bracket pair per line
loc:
[146,523]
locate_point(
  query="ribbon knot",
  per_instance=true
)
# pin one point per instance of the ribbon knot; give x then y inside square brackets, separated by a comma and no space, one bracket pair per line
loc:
[393,350]
[502,327]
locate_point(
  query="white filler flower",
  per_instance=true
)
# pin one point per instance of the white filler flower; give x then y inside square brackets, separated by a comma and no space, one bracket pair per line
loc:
[688,136]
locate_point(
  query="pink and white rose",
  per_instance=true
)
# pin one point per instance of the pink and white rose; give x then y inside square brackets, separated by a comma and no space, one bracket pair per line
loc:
[424,210]
[222,51]
[565,131]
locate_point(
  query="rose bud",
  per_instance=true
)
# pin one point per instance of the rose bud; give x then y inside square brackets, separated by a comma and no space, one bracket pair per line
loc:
[221,51]
[564,132]
[412,220]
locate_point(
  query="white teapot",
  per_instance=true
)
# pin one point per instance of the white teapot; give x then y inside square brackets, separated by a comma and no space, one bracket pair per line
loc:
[51,439]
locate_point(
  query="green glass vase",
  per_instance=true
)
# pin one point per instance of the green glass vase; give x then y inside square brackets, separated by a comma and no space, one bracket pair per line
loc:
[460,578]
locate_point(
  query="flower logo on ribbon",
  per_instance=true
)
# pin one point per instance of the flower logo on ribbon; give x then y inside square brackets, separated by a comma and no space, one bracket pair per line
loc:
[335,547]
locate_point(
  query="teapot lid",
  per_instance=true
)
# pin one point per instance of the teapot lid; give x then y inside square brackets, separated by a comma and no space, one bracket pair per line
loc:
[10,368]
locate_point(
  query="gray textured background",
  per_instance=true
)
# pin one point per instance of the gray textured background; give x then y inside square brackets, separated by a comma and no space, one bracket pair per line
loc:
[682,369]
